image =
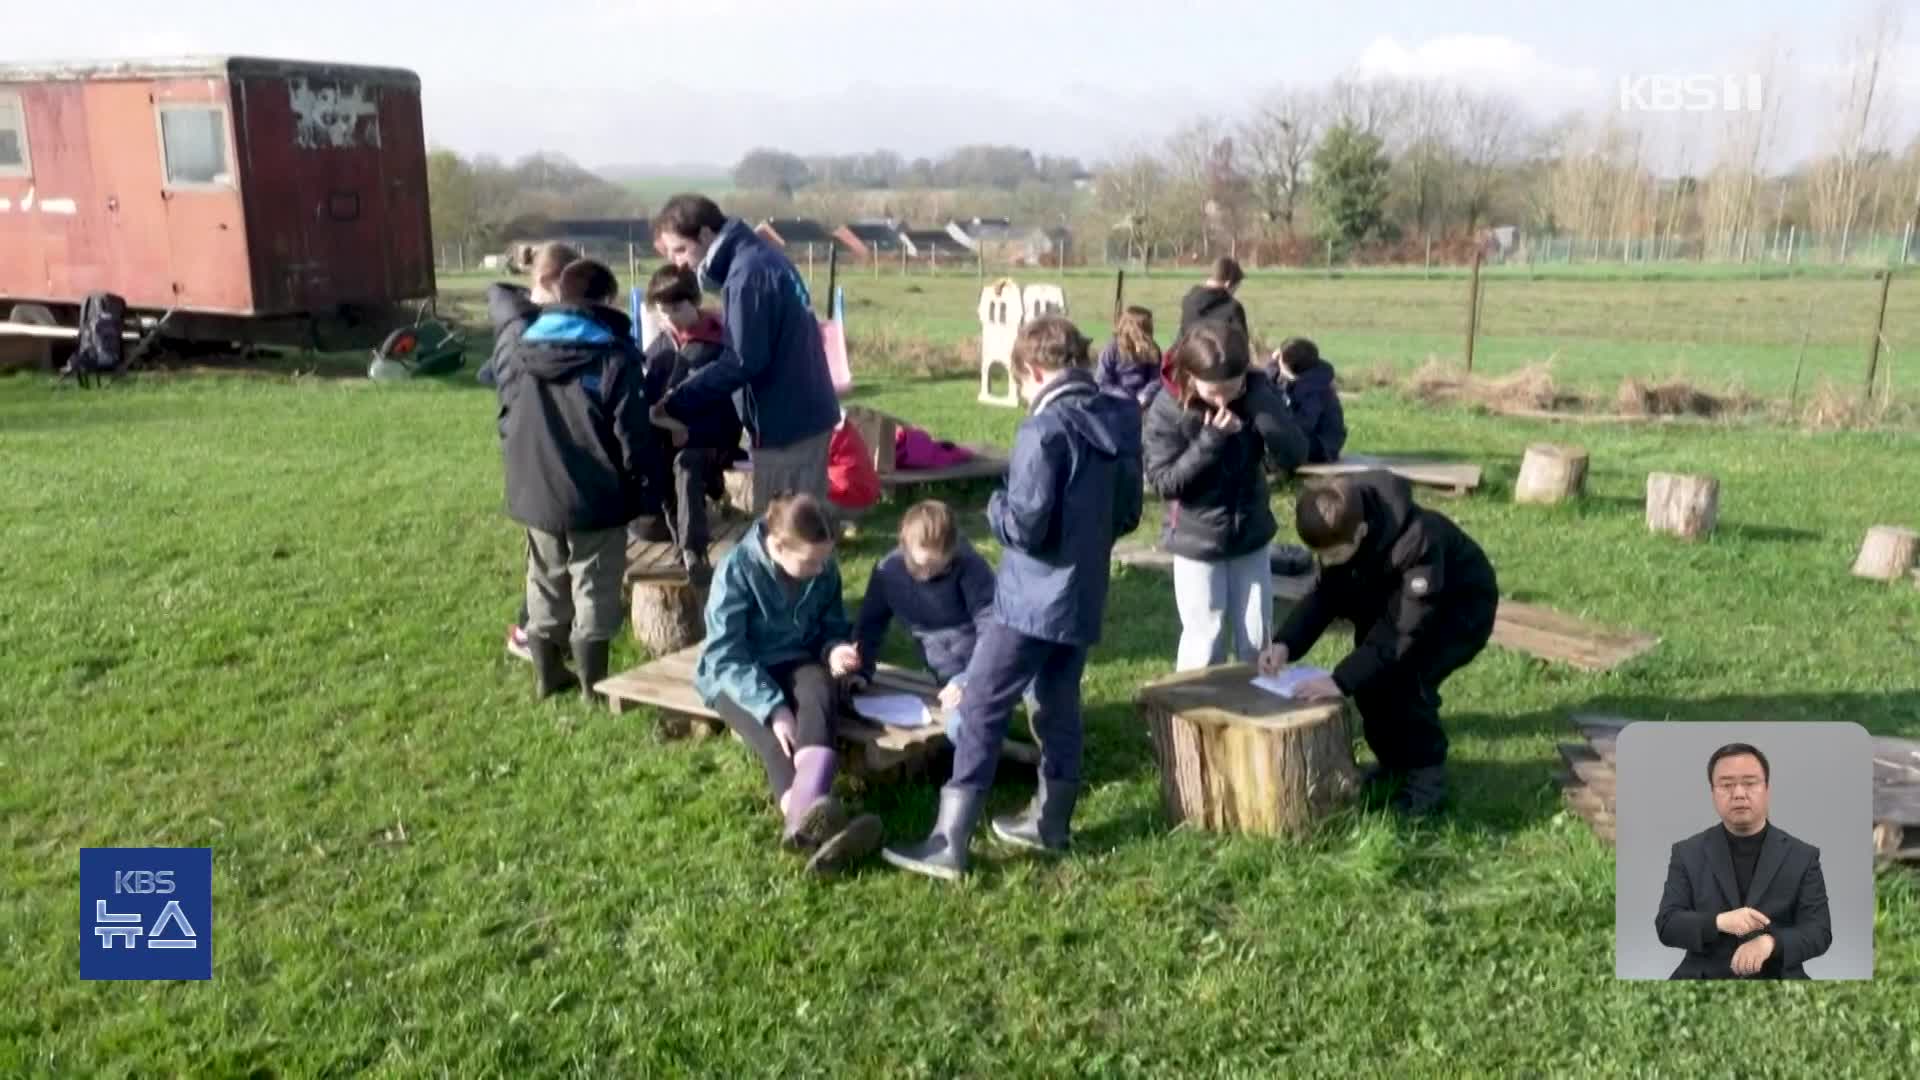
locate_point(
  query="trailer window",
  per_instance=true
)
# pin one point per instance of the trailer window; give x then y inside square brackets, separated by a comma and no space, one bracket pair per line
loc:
[13,137]
[194,141]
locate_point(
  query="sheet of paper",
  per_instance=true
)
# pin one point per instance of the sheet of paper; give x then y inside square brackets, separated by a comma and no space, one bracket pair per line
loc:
[1286,680]
[893,710]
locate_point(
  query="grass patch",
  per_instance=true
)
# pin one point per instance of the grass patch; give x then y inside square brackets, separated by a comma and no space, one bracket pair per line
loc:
[264,615]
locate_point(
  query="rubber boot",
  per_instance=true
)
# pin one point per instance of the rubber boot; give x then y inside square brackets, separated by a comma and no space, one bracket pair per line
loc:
[1044,824]
[1423,793]
[590,659]
[858,840]
[943,854]
[813,815]
[699,570]
[550,674]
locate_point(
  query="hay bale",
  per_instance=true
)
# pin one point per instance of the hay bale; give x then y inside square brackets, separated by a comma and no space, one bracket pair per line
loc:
[1531,387]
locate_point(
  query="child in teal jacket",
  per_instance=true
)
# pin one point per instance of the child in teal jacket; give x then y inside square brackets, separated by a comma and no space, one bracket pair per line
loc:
[778,651]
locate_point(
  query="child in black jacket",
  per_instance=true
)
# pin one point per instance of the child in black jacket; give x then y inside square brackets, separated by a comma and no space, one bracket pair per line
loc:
[1421,596]
[1209,439]
[704,438]
[1308,381]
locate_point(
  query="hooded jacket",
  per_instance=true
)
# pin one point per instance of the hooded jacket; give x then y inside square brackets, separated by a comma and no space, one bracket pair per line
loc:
[675,357]
[752,624]
[1416,580]
[573,421]
[1207,302]
[509,309]
[1215,484]
[942,613]
[1316,406]
[1073,488]
[776,372]
[1131,377]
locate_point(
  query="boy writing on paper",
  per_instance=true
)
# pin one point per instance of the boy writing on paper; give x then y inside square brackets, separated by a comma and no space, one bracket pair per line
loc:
[1421,596]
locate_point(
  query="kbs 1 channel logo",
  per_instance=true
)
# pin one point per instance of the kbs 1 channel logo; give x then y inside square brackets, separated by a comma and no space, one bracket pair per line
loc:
[146,913]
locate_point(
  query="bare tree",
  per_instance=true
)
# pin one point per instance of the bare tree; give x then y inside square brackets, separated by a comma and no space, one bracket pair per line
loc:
[1838,183]
[1130,188]
[1278,139]
[1730,213]
[1489,129]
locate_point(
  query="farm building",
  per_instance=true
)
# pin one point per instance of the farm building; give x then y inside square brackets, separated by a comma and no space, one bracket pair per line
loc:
[978,233]
[869,239]
[1045,246]
[606,239]
[933,244]
[253,199]
[797,234]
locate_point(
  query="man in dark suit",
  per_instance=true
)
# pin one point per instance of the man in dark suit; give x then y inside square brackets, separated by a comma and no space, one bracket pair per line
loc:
[1745,899]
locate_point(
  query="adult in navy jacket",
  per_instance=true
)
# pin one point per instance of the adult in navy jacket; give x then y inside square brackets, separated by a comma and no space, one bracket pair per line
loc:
[776,371]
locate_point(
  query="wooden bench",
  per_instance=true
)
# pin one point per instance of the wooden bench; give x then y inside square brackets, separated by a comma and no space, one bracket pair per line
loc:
[1447,477]
[874,750]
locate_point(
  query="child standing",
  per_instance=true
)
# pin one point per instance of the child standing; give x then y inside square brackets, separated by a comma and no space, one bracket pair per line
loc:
[1073,487]
[778,645]
[576,441]
[704,438]
[1130,364]
[510,308]
[1215,299]
[1421,596]
[1209,439]
[1308,382]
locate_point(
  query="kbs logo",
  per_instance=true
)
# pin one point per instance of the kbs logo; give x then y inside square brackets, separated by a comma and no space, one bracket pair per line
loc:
[1690,93]
[146,913]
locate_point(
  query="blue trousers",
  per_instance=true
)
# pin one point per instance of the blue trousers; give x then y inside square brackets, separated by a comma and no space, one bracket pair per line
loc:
[1005,664]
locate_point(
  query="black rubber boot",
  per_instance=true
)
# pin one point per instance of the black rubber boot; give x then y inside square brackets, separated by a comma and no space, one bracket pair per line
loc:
[699,570]
[943,854]
[858,840]
[1043,825]
[550,674]
[1423,793]
[590,657]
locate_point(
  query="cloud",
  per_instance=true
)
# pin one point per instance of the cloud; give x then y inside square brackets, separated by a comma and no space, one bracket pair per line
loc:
[1485,61]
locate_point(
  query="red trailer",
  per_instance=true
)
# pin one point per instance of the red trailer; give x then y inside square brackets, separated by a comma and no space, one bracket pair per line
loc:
[242,199]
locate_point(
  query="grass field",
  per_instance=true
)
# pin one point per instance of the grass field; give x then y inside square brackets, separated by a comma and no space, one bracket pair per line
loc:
[1595,325]
[264,615]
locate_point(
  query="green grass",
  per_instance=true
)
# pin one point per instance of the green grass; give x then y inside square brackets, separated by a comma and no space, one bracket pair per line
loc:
[264,615]
[1720,330]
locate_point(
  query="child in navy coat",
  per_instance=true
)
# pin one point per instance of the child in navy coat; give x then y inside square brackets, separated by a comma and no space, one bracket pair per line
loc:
[1130,364]
[1073,488]
[1308,382]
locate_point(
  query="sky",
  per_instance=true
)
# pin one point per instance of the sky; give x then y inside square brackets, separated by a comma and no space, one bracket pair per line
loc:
[667,82]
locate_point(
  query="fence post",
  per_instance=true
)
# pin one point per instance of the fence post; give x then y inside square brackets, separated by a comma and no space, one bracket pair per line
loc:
[1119,292]
[809,266]
[633,268]
[1879,327]
[1428,272]
[1473,308]
[1329,256]
[1806,331]
[833,275]
[1906,244]
[1793,235]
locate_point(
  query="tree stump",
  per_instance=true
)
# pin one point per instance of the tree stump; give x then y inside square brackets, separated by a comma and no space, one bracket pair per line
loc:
[1682,505]
[1551,474]
[1235,758]
[669,615]
[1887,554]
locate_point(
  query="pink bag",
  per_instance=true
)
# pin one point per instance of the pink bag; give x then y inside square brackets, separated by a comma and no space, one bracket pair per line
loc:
[915,449]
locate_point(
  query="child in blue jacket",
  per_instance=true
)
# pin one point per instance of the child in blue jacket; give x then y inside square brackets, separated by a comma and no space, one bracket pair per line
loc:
[778,645]
[1073,488]
[938,586]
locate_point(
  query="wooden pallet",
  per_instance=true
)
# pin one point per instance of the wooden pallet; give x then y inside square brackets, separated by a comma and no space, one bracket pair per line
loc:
[666,684]
[659,560]
[1448,477]
[1550,635]
[1588,785]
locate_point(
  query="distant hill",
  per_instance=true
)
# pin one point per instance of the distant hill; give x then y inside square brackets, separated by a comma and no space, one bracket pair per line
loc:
[657,182]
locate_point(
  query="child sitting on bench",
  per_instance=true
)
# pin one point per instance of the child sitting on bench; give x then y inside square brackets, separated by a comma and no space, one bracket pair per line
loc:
[940,587]
[1308,383]
[703,440]
[778,647]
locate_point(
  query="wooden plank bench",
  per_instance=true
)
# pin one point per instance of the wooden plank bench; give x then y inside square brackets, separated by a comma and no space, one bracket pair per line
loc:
[874,750]
[1527,628]
[1448,477]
